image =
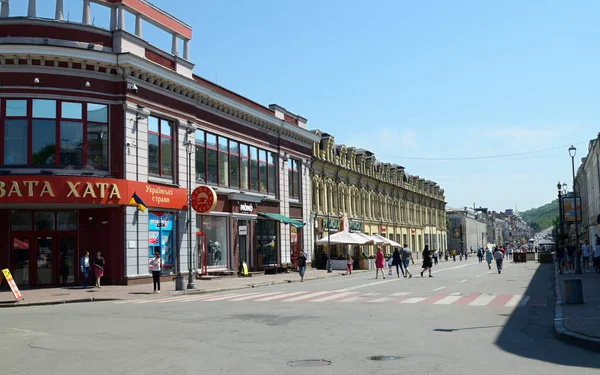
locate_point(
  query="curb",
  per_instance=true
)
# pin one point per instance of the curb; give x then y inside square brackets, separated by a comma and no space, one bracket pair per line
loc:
[257,285]
[60,302]
[561,332]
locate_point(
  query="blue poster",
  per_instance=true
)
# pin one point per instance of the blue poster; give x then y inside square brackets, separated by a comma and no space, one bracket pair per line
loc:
[160,236]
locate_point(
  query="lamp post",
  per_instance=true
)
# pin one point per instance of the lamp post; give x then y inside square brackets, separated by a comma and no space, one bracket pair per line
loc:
[560,213]
[189,147]
[572,152]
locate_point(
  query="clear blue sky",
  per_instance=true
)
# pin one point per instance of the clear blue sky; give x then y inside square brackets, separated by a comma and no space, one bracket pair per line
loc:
[419,79]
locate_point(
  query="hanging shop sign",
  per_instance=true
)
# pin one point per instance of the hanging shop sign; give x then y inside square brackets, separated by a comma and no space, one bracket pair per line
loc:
[84,190]
[204,199]
[246,208]
[330,224]
[356,226]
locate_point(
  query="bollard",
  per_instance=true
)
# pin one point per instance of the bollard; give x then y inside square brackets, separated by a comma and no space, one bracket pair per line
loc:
[573,292]
[179,282]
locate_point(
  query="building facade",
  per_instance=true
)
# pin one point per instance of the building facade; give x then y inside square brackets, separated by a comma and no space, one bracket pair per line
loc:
[90,117]
[375,197]
[468,230]
[588,188]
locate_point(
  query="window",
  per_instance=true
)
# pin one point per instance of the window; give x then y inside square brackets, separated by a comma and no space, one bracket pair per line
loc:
[160,238]
[244,166]
[262,172]
[200,157]
[272,186]
[160,147]
[54,133]
[215,228]
[211,157]
[234,164]
[294,178]
[253,168]
[223,161]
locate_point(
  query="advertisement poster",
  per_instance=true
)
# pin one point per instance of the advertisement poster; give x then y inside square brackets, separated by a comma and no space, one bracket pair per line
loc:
[160,236]
[569,209]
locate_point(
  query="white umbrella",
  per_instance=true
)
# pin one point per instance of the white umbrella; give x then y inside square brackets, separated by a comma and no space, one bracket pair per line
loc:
[343,238]
[386,241]
[375,241]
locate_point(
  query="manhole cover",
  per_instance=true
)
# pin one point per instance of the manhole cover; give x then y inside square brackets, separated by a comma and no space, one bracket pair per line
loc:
[383,358]
[309,363]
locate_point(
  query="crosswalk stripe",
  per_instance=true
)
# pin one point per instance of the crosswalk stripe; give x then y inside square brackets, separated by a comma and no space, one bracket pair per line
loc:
[352,299]
[379,300]
[434,298]
[455,293]
[400,294]
[447,300]
[306,296]
[514,301]
[371,294]
[524,301]
[414,300]
[246,297]
[466,300]
[500,300]
[222,297]
[188,298]
[333,297]
[278,296]
[482,300]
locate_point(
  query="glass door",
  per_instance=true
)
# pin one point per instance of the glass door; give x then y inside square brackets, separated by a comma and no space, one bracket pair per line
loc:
[45,262]
[66,248]
[22,249]
[243,240]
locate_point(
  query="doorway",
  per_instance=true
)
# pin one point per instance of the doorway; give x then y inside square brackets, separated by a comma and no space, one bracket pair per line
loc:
[243,241]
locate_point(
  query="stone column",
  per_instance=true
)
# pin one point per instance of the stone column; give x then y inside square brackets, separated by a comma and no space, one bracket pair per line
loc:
[113,18]
[58,13]
[186,49]
[86,18]
[5,12]
[121,18]
[31,9]
[138,25]
[174,45]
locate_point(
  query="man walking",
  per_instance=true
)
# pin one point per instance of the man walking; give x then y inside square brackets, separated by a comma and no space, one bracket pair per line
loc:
[397,261]
[406,259]
[499,256]
[301,265]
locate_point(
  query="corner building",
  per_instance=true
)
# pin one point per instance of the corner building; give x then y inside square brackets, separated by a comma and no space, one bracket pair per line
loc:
[376,198]
[91,116]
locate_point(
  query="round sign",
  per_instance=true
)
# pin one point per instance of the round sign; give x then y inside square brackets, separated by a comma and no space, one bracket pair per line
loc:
[204,199]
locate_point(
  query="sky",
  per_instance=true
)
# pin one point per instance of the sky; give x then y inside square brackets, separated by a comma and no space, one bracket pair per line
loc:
[446,89]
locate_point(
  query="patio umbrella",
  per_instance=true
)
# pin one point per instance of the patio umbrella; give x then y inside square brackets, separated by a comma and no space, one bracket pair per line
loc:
[343,238]
[386,241]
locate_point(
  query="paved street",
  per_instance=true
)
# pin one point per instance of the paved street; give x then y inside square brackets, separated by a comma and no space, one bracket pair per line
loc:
[464,320]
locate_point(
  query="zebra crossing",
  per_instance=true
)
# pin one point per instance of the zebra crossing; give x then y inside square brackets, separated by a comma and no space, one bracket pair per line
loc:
[448,298]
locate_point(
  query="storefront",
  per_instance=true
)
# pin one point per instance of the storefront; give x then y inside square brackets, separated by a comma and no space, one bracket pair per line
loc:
[49,222]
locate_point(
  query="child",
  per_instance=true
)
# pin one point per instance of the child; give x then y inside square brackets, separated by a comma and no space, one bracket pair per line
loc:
[349,262]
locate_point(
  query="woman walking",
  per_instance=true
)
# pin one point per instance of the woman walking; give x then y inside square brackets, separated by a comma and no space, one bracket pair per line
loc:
[427,262]
[397,260]
[379,261]
[98,268]
[155,267]
[301,265]
[436,256]
[349,262]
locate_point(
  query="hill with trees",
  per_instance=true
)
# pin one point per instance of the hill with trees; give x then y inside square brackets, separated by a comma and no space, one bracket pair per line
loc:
[541,217]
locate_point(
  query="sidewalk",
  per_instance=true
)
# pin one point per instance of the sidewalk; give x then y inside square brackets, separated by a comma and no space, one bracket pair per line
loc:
[58,295]
[578,324]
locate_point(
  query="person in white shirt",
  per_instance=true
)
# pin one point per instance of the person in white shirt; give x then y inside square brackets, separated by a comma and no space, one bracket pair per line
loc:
[585,253]
[155,266]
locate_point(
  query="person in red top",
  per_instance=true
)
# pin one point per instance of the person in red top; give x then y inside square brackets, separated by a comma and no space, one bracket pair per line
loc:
[379,262]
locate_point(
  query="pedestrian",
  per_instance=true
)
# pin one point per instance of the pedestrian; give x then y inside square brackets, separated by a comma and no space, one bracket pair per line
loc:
[498,255]
[389,261]
[480,255]
[466,255]
[349,262]
[155,267]
[427,262]
[560,257]
[454,255]
[397,260]
[379,263]
[406,259]
[84,265]
[301,265]
[488,257]
[570,259]
[98,268]
[436,256]
[597,257]
[585,260]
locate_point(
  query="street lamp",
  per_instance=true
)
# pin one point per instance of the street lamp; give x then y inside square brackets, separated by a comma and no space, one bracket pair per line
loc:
[189,147]
[561,192]
[572,152]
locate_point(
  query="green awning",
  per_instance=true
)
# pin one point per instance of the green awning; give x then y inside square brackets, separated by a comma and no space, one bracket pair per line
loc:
[282,218]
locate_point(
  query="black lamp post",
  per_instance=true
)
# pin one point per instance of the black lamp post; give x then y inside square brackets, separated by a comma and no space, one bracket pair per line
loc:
[572,152]
[559,186]
[189,147]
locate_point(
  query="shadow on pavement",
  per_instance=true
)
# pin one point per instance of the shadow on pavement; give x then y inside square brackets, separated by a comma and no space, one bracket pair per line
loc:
[529,331]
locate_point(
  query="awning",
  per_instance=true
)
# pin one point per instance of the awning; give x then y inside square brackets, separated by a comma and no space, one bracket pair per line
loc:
[282,218]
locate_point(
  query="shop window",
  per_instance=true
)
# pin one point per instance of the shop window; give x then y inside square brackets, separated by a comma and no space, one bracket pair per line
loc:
[160,147]
[223,161]
[272,185]
[253,168]
[160,238]
[294,178]
[21,220]
[66,220]
[266,242]
[44,221]
[244,166]
[215,228]
[234,164]
[211,157]
[262,170]
[55,133]
[200,157]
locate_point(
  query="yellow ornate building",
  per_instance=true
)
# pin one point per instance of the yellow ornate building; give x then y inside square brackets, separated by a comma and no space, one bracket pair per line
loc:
[377,198]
